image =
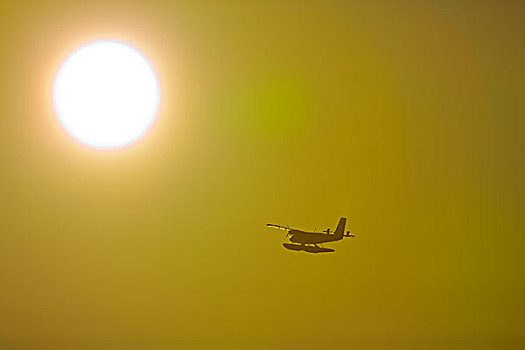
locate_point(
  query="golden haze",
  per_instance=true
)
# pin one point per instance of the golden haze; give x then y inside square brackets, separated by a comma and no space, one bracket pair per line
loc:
[404,116]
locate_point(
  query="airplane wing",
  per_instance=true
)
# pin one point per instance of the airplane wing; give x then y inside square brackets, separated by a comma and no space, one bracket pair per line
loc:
[279,227]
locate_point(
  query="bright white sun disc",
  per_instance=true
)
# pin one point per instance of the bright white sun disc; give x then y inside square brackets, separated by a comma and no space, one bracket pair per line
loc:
[106,94]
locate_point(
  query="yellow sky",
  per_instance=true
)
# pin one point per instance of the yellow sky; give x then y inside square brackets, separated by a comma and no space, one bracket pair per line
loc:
[406,117]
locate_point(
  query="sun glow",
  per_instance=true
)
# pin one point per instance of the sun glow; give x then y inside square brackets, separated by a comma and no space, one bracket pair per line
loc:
[106,94]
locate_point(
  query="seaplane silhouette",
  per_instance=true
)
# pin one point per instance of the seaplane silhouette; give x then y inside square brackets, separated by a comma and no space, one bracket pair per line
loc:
[308,241]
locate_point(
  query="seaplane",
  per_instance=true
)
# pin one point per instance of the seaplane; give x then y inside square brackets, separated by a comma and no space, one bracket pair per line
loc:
[309,241]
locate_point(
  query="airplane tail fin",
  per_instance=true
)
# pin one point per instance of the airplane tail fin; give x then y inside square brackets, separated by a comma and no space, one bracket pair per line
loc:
[340,230]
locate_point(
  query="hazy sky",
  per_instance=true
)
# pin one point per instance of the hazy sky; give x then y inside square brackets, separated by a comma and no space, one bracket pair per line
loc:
[407,117]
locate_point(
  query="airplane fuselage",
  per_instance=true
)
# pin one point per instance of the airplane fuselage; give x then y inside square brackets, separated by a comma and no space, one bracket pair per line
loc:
[298,236]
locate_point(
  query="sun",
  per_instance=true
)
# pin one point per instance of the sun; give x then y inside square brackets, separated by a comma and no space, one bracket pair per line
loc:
[106,94]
